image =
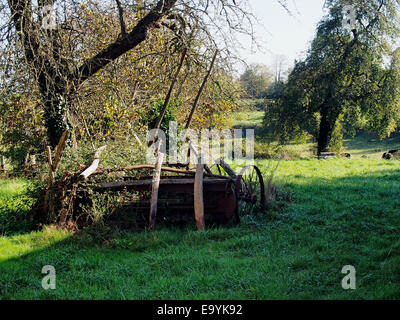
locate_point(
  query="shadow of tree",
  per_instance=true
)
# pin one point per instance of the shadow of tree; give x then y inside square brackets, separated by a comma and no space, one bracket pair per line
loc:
[332,222]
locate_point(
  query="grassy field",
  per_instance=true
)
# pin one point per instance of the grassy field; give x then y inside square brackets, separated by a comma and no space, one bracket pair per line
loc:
[364,145]
[329,214]
[249,119]
[369,145]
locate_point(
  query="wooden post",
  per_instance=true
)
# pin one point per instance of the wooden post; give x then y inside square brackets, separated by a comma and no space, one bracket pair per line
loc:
[196,101]
[3,163]
[168,97]
[155,187]
[196,154]
[188,159]
[198,196]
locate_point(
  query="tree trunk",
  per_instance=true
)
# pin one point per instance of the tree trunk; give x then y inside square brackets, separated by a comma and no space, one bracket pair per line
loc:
[54,95]
[325,132]
[52,69]
[55,115]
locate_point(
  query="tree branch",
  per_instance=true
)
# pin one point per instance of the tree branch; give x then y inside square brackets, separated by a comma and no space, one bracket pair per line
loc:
[121,18]
[138,34]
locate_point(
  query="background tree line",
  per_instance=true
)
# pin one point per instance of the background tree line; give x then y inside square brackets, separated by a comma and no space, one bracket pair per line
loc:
[349,79]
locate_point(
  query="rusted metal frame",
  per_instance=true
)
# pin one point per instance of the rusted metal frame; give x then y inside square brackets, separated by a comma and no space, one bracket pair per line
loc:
[143,166]
[162,177]
[217,176]
[221,188]
[227,169]
[170,181]
[219,169]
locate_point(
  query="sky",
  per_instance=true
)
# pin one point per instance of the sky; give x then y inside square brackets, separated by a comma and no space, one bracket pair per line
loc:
[280,33]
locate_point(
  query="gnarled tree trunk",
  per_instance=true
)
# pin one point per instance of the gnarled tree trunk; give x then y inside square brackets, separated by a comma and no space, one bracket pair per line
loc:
[326,128]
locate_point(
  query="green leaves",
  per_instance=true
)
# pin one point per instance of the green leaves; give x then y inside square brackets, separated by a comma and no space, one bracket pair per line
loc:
[354,76]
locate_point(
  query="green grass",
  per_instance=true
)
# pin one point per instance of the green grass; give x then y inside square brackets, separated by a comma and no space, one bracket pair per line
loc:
[369,145]
[248,119]
[363,145]
[15,202]
[344,212]
[12,188]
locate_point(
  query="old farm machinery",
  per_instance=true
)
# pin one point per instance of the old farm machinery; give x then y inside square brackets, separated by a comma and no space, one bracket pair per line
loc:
[164,192]
[208,194]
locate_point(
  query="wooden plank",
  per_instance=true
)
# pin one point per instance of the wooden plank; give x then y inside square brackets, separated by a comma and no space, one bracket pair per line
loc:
[154,189]
[198,197]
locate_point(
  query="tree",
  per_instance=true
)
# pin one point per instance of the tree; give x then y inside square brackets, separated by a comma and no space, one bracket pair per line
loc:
[279,64]
[346,75]
[60,59]
[256,80]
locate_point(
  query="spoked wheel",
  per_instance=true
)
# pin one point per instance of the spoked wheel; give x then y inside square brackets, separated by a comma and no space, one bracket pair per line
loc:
[249,190]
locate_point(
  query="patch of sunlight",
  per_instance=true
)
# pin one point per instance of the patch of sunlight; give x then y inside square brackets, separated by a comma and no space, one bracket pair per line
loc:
[19,245]
[10,188]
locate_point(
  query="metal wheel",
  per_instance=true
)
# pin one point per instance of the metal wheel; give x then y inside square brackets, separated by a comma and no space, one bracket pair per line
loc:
[249,190]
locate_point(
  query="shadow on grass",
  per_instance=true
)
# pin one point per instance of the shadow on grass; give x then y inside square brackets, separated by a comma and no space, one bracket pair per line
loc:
[367,143]
[299,254]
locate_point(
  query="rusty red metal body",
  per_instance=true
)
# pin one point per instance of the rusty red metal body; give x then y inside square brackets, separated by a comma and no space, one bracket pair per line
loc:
[176,196]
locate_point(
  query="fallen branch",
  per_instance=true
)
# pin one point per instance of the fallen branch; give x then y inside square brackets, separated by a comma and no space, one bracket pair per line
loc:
[60,150]
[93,167]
